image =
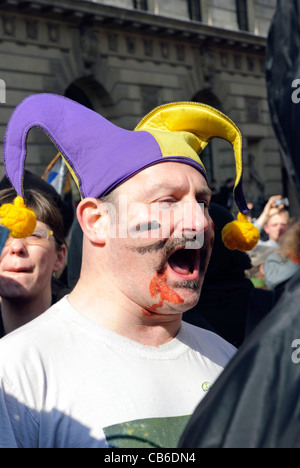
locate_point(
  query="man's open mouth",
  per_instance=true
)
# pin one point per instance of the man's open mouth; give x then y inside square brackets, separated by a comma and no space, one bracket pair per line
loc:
[185,262]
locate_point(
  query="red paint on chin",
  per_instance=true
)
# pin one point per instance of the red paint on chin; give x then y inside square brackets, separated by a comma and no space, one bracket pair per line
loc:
[159,287]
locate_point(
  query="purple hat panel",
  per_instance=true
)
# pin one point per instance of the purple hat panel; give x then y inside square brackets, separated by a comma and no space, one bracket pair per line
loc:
[100,155]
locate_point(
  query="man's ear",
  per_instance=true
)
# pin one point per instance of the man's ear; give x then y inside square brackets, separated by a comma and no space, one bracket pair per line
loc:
[93,217]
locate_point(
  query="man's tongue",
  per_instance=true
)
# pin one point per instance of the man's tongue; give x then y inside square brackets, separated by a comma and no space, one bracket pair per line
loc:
[181,262]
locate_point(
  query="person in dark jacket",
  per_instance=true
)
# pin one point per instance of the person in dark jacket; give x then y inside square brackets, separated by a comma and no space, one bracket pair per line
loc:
[228,299]
[255,402]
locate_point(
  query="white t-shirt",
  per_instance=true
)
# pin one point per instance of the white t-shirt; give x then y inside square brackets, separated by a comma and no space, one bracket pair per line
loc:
[66,383]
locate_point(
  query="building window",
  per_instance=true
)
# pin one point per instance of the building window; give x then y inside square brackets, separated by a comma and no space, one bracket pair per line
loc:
[194,8]
[242,15]
[140,5]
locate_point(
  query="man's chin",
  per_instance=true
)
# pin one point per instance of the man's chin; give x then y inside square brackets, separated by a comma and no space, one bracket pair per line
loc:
[189,291]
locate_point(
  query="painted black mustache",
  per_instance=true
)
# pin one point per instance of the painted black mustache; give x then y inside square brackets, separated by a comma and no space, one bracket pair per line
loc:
[167,246]
[171,245]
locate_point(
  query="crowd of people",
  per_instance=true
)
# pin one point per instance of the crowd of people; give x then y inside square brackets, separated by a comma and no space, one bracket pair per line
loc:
[105,341]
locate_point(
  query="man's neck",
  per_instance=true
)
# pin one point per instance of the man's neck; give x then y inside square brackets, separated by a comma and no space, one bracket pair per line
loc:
[127,319]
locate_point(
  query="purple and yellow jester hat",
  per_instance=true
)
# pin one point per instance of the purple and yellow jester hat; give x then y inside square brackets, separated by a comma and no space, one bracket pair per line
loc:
[101,155]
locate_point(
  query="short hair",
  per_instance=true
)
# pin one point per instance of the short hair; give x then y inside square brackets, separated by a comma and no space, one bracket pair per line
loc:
[289,242]
[34,182]
[258,257]
[276,211]
[44,207]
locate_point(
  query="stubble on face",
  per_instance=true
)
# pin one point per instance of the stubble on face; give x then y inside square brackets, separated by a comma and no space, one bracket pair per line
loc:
[164,291]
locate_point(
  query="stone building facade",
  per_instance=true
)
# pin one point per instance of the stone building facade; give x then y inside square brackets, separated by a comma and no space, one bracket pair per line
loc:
[124,57]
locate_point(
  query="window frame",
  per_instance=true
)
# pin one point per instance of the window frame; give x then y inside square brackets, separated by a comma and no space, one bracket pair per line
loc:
[195,10]
[140,5]
[242,14]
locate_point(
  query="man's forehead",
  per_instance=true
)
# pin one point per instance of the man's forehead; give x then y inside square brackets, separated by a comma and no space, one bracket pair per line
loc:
[170,176]
[278,217]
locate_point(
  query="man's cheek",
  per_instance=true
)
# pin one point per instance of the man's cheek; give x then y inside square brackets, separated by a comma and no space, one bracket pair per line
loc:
[141,223]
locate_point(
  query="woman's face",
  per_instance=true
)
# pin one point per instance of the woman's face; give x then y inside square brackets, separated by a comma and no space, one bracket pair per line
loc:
[26,269]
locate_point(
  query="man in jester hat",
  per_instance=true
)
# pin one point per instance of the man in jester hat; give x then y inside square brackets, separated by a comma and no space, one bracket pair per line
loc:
[112,364]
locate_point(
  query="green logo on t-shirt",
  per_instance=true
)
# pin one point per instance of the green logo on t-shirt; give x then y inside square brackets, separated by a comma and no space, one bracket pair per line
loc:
[146,433]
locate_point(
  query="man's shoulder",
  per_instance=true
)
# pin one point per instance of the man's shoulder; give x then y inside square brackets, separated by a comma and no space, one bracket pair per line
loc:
[209,344]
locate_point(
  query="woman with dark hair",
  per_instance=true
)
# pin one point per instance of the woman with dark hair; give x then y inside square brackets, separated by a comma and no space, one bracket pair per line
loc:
[27,266]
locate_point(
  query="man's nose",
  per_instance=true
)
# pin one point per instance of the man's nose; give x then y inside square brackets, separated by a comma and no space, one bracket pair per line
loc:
[194,223]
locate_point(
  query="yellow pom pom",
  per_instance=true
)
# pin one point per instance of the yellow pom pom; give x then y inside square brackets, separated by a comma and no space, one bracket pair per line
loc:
[21,221]
[240,235]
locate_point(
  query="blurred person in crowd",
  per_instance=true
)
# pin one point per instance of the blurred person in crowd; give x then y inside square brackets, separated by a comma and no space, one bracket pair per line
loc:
[271,223]
[228,299]
[274,221]
[258,256]
[224,196]
[27,266]
[282,264]
[213,187]
[255,401]
[259,307]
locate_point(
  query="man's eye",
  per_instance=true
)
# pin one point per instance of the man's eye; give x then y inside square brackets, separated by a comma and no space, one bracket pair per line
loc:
[205,203]
[166,202]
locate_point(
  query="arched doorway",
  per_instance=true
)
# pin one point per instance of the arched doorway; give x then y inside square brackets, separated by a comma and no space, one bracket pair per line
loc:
[90,93]
[207,97]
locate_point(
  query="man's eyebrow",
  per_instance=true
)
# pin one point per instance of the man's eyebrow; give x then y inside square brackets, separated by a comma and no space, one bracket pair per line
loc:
[204,193]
